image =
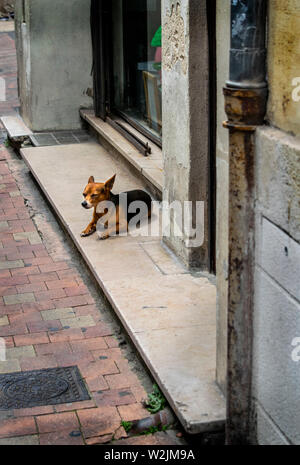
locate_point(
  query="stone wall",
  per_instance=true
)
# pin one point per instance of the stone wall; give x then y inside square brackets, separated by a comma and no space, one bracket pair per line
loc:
[185,102]
[55,61]
[276,388]
[283,65]
[6,7]
[276,373]
[223,46]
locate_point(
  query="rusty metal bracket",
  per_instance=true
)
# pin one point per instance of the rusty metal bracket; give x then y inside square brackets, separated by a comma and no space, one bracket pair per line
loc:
[245,108]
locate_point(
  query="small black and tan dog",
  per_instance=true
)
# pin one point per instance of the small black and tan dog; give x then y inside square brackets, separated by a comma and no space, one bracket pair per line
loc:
[117,218]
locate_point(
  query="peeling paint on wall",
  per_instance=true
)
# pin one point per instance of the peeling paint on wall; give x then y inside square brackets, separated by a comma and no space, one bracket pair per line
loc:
[173,36]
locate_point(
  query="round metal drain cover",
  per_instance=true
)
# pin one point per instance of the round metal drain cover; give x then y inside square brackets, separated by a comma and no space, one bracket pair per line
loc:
[36,388]
[48,386]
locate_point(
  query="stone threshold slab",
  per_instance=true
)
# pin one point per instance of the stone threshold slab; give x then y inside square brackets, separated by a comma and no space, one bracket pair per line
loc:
[169,315]
[151,167]
[15,126]
[7,26]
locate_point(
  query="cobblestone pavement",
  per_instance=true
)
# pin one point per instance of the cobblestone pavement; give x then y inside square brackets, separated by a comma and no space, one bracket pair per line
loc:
[53,315]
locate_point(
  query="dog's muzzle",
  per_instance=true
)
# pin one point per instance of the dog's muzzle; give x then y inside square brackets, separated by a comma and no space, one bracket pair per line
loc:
[86,205]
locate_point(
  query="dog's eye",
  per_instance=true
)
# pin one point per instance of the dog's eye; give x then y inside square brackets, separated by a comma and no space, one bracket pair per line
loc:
[84,195]
[94,195]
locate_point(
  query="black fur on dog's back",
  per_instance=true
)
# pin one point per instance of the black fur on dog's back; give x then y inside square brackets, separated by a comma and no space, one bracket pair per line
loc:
[133,196]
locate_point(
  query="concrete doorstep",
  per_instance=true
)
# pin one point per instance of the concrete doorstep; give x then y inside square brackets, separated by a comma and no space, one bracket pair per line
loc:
[169,314]
[15,127]
[151,167]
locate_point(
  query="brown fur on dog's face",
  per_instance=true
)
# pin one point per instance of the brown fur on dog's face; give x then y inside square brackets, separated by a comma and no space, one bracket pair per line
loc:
[96,192]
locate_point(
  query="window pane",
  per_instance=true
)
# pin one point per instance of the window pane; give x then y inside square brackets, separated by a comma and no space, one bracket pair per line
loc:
[137,61]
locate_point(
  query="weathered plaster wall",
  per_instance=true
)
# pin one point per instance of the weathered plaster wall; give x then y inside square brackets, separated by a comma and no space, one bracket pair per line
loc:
[185,115]
[24,60]
[185,143]
[223,46]
[276,388]
[55,62]
[283,64]
[6,7]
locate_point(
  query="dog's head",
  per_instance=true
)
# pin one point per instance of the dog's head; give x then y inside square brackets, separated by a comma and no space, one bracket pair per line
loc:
[96,192]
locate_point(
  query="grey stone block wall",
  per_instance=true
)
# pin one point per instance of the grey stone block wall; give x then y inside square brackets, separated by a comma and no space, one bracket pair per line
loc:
[276,376]
[268,433]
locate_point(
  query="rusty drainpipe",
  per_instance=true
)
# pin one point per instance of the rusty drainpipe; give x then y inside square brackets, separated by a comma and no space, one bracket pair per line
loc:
[245,105]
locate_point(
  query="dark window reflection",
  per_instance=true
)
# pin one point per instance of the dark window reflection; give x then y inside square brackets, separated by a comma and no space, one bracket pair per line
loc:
[137,61]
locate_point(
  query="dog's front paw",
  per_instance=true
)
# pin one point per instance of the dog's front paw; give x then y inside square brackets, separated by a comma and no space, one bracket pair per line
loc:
[103,236]
[87,233]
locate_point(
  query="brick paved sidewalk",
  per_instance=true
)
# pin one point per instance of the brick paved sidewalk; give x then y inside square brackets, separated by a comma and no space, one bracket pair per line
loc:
[49,319]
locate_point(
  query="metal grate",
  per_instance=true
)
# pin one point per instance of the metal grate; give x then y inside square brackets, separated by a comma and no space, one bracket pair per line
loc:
[43,139]
[50,386]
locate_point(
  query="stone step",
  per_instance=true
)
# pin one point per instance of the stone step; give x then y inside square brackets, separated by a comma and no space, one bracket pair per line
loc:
[150,167]
[7,26]
[15,127]
[169,314]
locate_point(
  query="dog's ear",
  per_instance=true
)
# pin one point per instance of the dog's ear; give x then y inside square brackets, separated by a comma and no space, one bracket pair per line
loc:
[109,184]
[91,180]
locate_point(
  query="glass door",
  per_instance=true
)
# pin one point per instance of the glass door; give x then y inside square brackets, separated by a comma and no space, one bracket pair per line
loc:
[136,64]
